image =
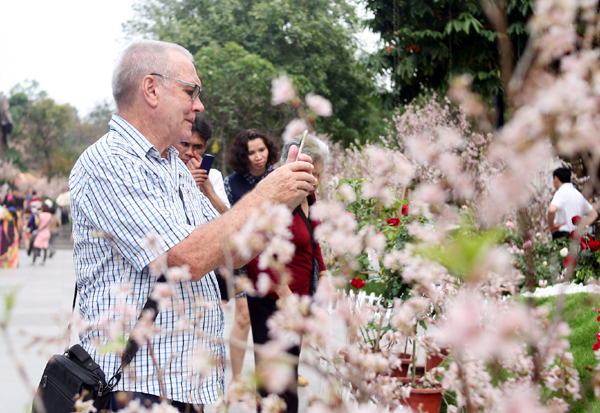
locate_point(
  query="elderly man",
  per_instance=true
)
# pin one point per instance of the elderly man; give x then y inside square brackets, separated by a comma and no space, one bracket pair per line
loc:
[131,184]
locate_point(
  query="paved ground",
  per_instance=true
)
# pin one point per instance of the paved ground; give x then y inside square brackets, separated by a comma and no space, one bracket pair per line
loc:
[45,294]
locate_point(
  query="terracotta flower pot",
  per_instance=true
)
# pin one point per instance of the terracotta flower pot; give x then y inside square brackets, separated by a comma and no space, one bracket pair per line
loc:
[424,400]
[406,360]
[435,360]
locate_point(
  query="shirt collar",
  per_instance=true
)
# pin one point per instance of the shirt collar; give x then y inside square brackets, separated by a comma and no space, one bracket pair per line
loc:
[253,180]
[139,143]
[565,186]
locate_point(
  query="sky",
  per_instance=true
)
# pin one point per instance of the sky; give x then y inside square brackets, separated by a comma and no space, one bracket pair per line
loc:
[68,47]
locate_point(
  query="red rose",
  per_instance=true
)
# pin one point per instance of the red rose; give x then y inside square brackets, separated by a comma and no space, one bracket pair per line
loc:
[594,245]
[576,220]
[393,221]
[596,346]
[405,209]
[358,283]
[575,235]
[583,245]
[569,261]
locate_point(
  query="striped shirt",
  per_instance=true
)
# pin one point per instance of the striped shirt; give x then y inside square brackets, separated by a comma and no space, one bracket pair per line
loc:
[122,188]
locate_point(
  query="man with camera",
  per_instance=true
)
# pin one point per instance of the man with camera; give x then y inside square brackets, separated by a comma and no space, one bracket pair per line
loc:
[130,187]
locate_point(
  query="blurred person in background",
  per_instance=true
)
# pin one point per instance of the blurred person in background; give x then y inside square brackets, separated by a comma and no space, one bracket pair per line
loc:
[9,241]
[63,200]
[567,203]
[191,153]
[304,270]
[42,240]
[54,224]
[251,155]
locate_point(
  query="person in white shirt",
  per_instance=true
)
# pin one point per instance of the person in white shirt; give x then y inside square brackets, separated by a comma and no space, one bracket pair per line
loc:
[191,154]
[567,203]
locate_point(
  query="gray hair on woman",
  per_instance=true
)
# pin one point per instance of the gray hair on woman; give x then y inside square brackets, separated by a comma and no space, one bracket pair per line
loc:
[313,147]
[140,59]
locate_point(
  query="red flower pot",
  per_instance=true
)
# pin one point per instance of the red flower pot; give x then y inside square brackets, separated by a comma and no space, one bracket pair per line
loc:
[406,360]
[435,360]
[424,400]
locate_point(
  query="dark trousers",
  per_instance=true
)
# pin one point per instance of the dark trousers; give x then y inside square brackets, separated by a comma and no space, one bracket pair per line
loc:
[560,234]
[260,310]
[119,400]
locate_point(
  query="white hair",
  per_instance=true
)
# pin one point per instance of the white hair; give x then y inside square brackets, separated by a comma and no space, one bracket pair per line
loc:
[313,147]
[139,59]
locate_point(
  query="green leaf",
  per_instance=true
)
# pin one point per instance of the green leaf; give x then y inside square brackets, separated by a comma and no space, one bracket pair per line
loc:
[462,254]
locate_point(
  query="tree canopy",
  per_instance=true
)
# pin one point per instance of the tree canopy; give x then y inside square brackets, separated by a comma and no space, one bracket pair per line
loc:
[429,41]
[250,41]
[47,136]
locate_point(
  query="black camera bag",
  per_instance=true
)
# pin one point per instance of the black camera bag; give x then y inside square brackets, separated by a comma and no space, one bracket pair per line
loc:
[66,378]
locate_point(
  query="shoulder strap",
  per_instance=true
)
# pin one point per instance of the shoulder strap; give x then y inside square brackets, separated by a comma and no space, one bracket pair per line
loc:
[300,212]
[132,346]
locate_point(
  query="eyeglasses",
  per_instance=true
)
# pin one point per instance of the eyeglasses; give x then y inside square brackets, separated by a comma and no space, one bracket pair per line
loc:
[197,88]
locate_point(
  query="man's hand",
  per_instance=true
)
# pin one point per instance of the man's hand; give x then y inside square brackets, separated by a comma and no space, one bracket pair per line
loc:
[291,183]
[200,175]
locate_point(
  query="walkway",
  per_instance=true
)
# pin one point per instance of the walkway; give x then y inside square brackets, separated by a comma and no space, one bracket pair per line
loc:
[43,306]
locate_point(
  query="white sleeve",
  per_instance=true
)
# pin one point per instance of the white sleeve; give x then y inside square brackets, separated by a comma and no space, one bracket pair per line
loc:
[216,179]
[557,199]
[586,206]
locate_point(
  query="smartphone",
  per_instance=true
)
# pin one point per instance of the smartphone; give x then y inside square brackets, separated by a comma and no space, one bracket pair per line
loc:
[207,161]
[302,142]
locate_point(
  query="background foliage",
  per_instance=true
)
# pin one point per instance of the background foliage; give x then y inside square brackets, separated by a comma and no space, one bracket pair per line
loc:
[427,42]
[241,44]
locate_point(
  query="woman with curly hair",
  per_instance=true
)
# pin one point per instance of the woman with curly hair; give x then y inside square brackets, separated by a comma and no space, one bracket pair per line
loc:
[251,155]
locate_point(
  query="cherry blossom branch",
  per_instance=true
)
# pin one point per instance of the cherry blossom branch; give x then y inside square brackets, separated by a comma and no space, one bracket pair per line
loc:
[159,371]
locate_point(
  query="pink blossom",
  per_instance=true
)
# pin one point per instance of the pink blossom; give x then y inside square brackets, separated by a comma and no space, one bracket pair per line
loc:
[293,129]
[176,274]
[162,293]
[347,193]
[282,90]
[263,285]
[203,362]
[319,105]
[431,194]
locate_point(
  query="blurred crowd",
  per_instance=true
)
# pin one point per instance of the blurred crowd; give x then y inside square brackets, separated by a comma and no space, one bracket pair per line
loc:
[31,223]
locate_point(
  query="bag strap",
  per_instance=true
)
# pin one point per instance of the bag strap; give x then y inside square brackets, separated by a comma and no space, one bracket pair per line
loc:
[309,226]
[314,279]
[86,361]
[132,346]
